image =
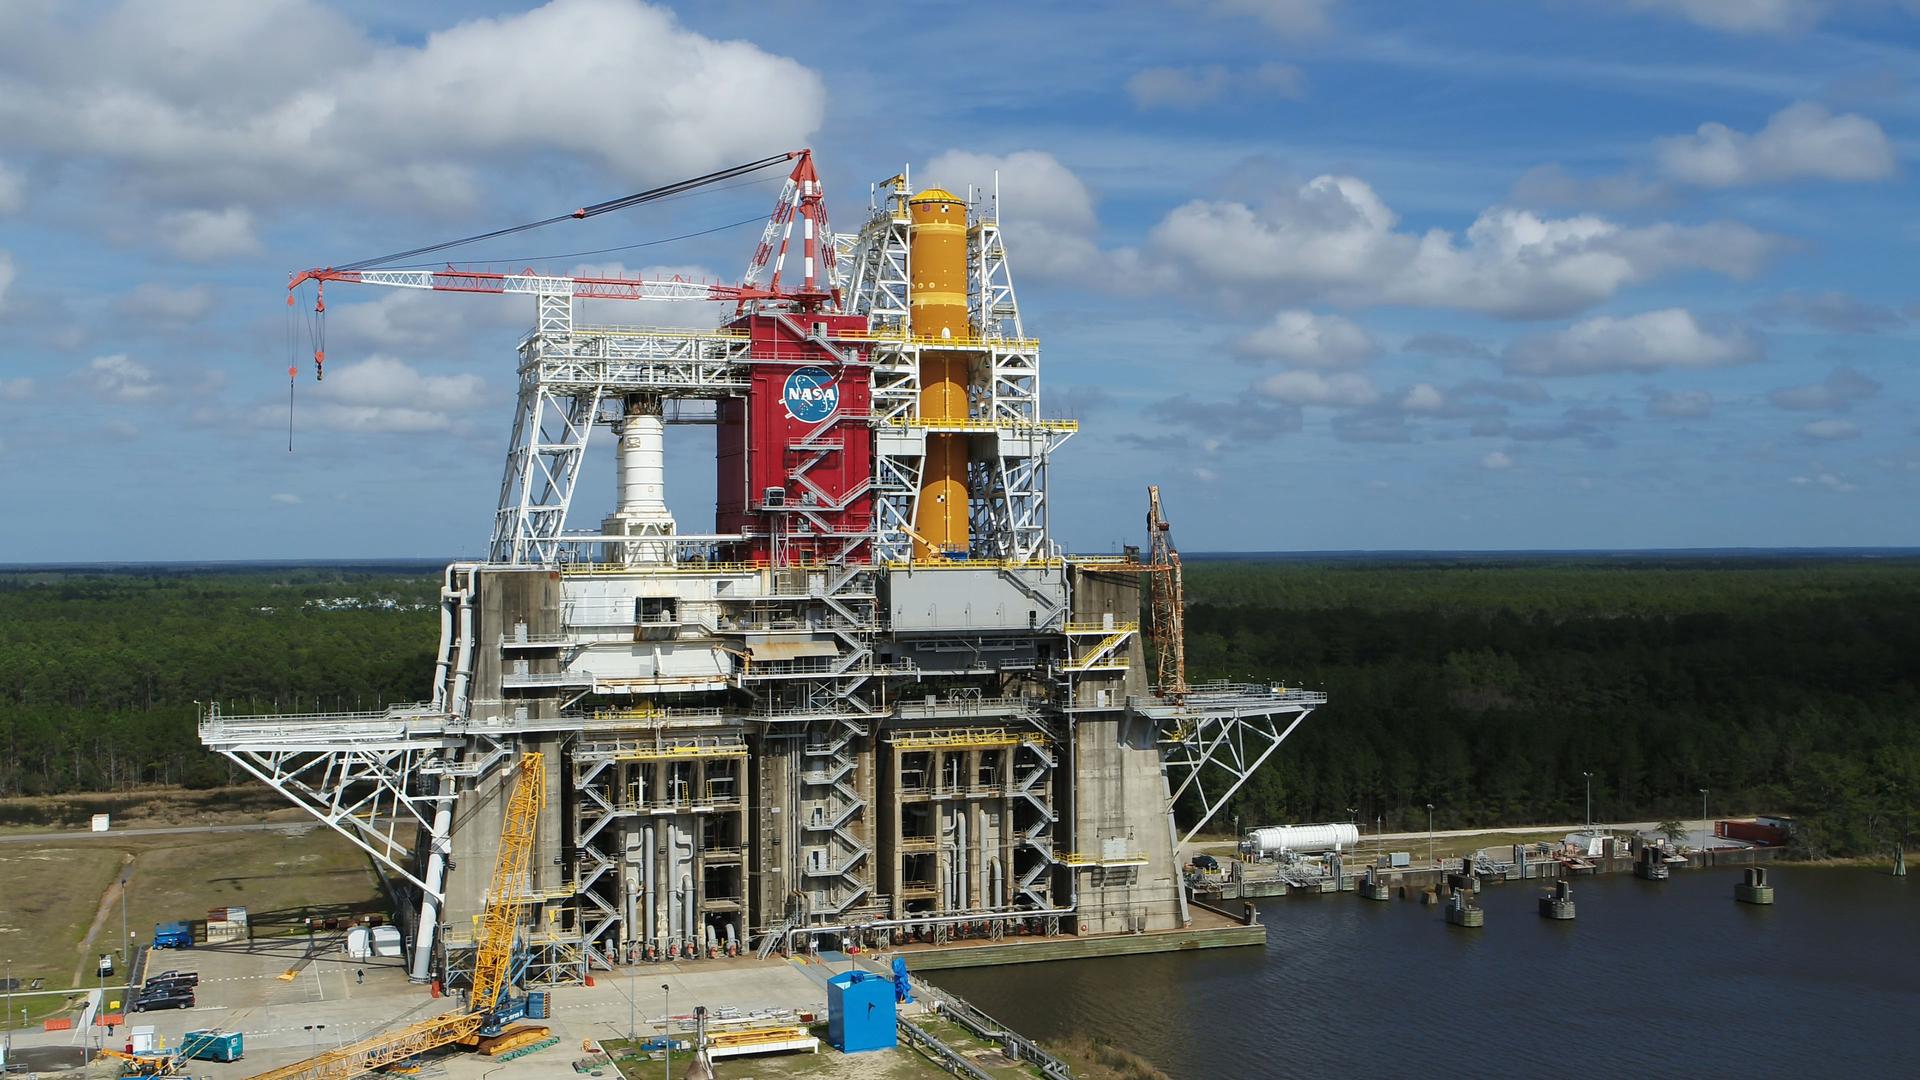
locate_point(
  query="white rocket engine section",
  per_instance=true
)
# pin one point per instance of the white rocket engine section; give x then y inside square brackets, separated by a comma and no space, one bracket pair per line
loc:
[1300,840]
[641,468]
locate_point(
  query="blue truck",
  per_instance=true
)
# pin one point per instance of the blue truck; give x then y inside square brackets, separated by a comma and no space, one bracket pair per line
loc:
[172,935]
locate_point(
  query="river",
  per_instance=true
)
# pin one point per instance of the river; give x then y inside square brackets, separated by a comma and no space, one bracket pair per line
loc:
[1652,979]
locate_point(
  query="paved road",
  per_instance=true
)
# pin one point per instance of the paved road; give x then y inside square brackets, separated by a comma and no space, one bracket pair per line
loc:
[169,830]
[1369,839]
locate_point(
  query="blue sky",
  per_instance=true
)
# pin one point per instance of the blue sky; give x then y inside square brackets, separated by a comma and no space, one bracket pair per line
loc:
[1529,274]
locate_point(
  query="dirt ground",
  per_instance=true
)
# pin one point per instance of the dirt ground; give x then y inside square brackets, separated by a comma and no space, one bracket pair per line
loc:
[147,808]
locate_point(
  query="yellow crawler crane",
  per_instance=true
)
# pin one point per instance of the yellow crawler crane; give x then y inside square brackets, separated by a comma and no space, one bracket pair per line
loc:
[490,1005]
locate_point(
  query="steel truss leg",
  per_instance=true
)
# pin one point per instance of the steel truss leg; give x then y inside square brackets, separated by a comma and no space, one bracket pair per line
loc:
[1234,744]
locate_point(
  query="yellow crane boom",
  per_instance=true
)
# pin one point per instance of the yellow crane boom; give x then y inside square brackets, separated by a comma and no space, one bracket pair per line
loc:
[512,886]
[1168,601]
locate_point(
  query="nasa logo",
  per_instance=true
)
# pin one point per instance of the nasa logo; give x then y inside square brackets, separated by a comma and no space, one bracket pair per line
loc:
[810,395]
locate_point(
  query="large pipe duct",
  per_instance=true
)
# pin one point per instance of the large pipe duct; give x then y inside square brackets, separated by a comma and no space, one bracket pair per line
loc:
[937,251]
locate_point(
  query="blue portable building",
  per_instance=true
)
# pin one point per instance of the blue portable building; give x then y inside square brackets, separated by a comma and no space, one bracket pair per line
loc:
[860,1012]
[172,935]
[212,1045]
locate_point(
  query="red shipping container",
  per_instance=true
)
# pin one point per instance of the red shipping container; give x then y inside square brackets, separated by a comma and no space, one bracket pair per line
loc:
[795,456]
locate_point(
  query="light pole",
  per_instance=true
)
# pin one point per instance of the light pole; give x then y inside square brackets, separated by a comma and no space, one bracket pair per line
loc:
[1704,826]
[666,1024]
[313,1038]
[1430,861]
[633,1004]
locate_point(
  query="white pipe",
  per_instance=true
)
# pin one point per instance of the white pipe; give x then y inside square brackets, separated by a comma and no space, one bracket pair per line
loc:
[444,660]
[463,666]
[649,930]
[960,855]
[981,869]
[672,874]
[999,884]
[686,892]
[631,874]
[946,869]
[436,882]
[683,873]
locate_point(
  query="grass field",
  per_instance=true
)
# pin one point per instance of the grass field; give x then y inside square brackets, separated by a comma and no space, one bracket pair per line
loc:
[51,894]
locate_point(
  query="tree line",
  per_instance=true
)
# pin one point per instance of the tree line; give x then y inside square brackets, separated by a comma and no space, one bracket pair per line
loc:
[99,672]
[1489,688]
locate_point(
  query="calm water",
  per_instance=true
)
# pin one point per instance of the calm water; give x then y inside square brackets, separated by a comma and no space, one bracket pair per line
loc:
[1670,979]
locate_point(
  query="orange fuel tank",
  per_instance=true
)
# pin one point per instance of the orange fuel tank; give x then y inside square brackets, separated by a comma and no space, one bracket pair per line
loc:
[937,242]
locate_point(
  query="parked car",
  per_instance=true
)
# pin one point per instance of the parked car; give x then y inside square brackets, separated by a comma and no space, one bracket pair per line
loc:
[184,978]
[180,999]
[1205,862]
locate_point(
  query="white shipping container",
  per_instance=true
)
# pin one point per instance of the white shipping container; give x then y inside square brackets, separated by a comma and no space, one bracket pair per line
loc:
[100,822]
[359,943]
[386,940]
[143,1038]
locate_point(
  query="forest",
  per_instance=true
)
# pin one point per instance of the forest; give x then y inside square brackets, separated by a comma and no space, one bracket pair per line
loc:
[100,672]
[1486,686]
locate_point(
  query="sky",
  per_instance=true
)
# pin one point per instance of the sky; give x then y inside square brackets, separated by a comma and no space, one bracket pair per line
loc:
[1336,274]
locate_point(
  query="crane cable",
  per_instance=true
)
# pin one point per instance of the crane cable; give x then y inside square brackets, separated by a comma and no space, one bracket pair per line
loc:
[636,199]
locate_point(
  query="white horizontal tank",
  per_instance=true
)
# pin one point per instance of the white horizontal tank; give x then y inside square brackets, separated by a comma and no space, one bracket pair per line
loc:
[1300,839]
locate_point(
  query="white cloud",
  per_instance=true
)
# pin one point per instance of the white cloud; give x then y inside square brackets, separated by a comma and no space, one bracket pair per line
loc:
[1680,404]
[1836,393]
[382,382]
[1741,16]
[16,389]
[162,303]
[1288,17]
[1423,398]
[1188,88]
[13,190]
[284,498]
[203,235]
[1342,389]
[1831,429]
[307,102]
[1177,88]
[381,394]
[1650,341]
[1801,140]
[1048,211]
[1335,239]
[1826,480]
[1496,460]
[1303,339]
[121,378]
